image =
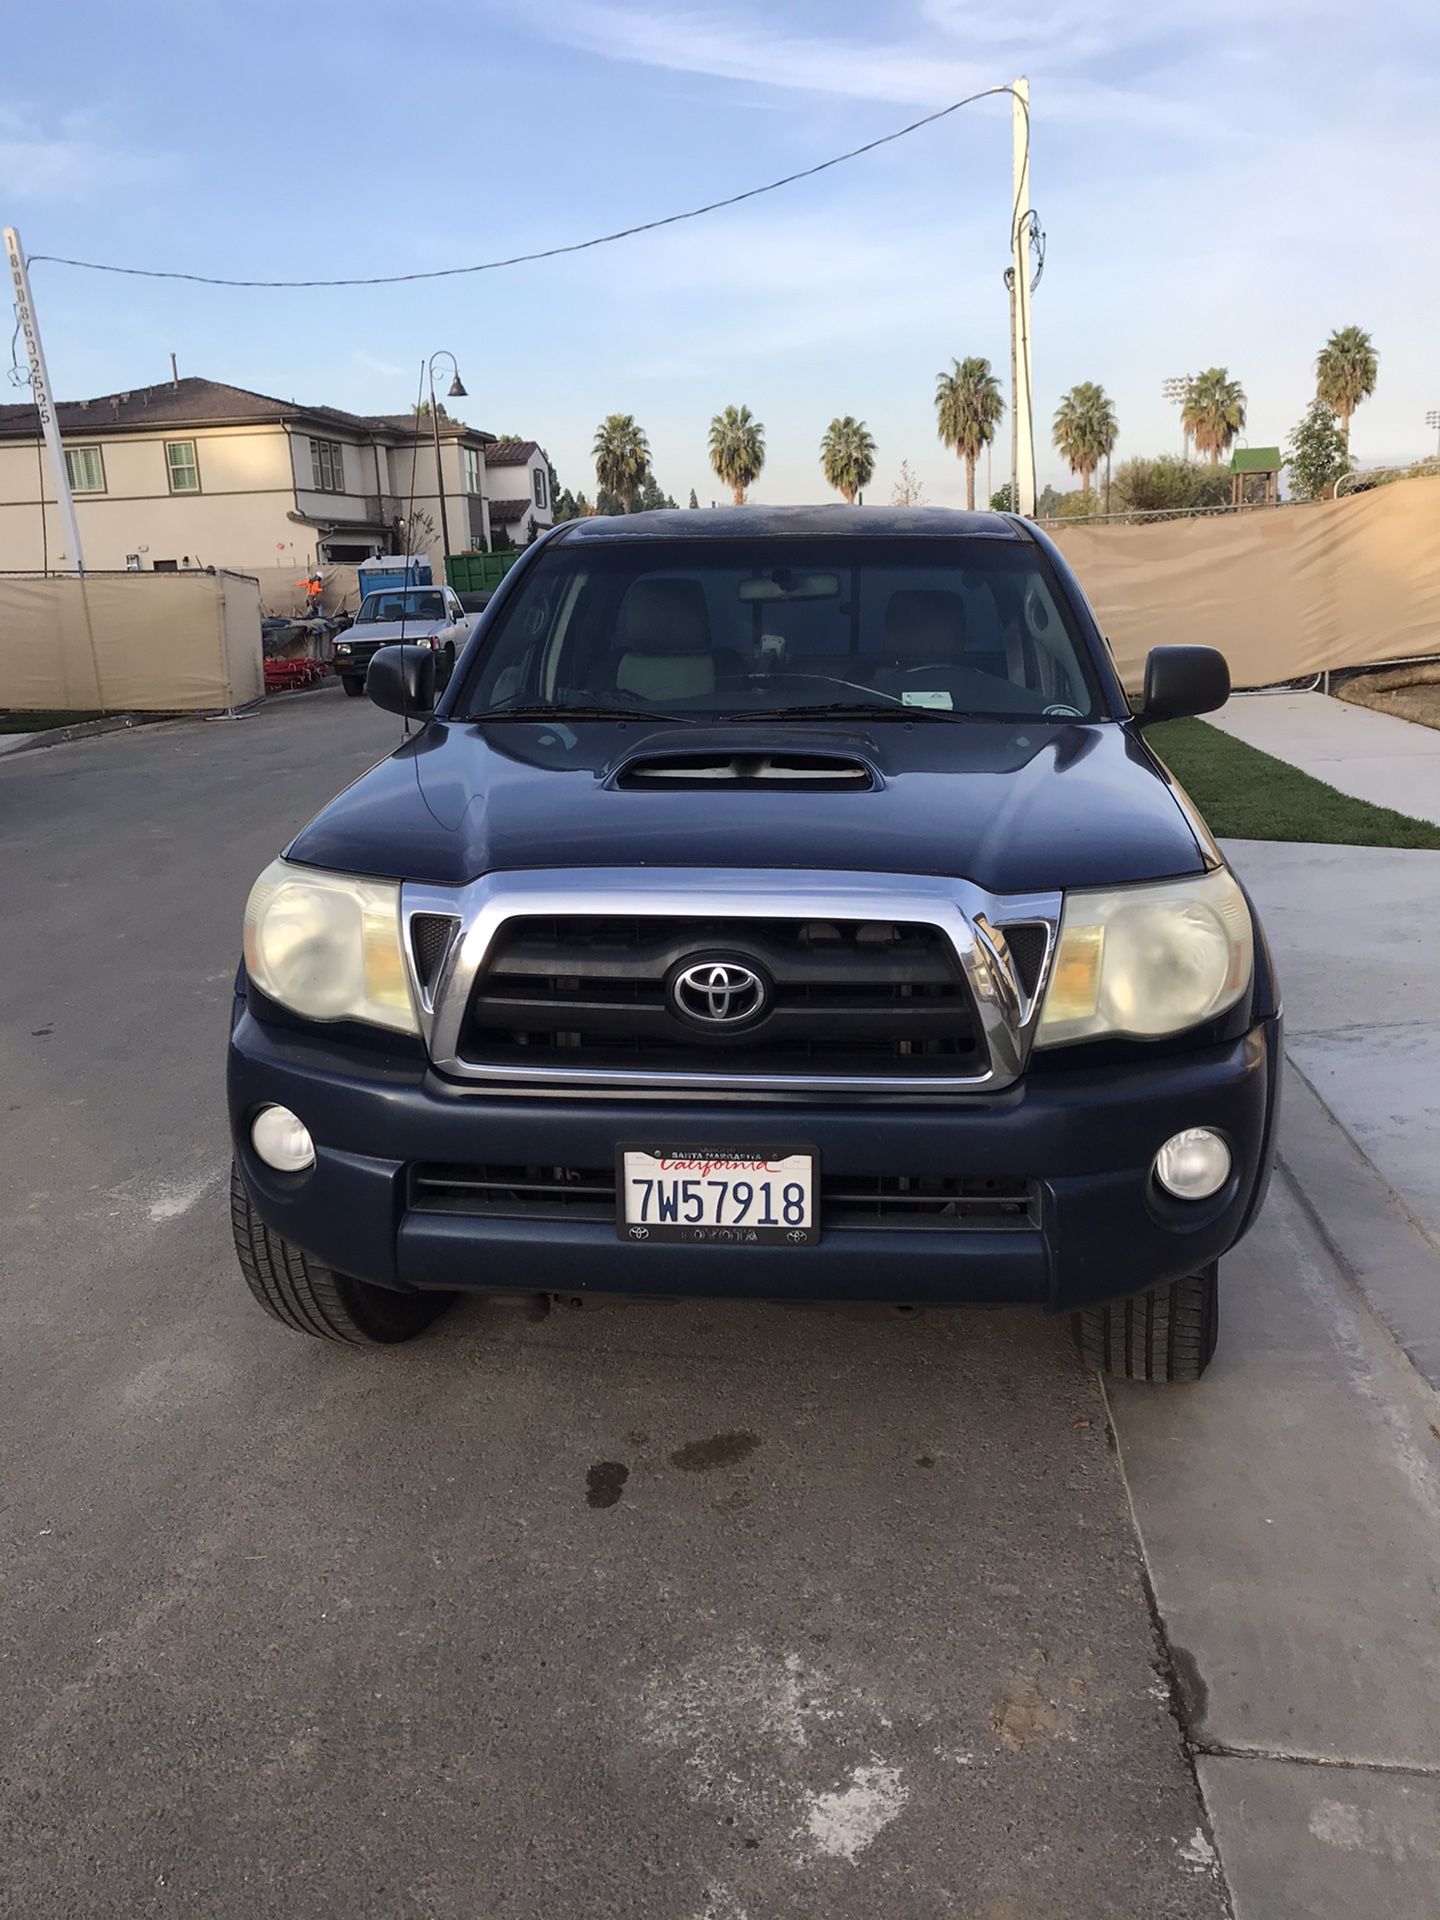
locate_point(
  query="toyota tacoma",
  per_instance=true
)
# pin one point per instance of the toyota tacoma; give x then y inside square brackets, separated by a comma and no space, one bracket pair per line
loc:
[782,904]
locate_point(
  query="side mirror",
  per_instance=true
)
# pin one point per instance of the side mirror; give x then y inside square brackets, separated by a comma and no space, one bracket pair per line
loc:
[1180,681]
[401,679]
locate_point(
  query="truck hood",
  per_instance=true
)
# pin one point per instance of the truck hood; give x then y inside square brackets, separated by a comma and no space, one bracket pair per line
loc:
[1014,806]
[385,633]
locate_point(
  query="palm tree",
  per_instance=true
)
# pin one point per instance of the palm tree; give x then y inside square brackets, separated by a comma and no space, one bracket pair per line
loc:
[968,409]
[1345,373]
[737,449]
[847,456]
[1214,412]
[622,457]
[1085,430]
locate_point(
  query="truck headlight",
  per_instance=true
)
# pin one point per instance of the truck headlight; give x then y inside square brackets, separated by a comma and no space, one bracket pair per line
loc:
[1147,961]
[327,945]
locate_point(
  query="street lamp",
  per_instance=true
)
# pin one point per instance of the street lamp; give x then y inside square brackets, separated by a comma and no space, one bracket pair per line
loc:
[1175,389]
[1432,419]
[456,392]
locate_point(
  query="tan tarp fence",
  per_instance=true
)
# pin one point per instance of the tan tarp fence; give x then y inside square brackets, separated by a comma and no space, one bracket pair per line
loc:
[130,642]
[1284,592]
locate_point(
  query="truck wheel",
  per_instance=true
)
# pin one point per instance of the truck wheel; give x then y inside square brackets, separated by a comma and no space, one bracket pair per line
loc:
[352,686]
[1166,1334]
[308,1298]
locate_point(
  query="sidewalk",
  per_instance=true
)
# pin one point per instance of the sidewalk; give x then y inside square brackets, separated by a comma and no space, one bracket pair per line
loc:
[1289,1508]
[1372,756]
[1355,932]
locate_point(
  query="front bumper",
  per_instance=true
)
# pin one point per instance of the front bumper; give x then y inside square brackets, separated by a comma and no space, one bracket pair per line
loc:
[1086,1137]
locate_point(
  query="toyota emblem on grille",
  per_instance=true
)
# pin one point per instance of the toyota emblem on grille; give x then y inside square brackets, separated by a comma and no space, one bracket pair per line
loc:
[718,993]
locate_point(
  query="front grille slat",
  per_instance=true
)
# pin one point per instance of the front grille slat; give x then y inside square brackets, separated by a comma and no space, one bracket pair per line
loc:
[849,997]
[852,1202]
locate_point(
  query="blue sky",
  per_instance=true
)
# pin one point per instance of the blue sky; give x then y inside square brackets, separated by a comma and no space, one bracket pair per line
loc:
[1220,184]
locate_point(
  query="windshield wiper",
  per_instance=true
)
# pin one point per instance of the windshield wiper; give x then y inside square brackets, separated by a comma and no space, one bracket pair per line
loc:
[847,710]
[538,712]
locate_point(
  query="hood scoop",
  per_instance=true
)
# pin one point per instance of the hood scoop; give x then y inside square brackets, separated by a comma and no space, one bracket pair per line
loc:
[731,769]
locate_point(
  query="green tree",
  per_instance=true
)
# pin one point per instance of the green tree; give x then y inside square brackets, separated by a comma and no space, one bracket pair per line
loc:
[737,450]
[622,459]
[1214,412]
[571,506]
[1317,454]
[847,456]
[1345,374]
[1084,430]
[1003,499]
[694,501]
[650,497]
[1048,505]
[968,408]
[610,503]
[1079,504]
[1168,484]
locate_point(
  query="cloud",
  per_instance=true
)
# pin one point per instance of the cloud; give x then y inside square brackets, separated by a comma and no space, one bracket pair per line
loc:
[66,160]
[923,70]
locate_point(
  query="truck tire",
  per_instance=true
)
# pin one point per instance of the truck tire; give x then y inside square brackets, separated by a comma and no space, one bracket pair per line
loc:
[352,686]
[1166,1334]
[308,1298]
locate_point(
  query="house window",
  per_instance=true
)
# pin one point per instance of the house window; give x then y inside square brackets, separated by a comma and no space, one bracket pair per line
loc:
[327,464]
[541,489]
[165,566]
[183,466]
[86,468]
[471,459]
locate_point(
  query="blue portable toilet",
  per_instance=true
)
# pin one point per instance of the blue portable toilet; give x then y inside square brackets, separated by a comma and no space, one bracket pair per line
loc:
[391,570]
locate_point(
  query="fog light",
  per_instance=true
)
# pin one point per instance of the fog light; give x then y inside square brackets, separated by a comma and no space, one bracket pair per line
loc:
[282,1140]
[1194,1164]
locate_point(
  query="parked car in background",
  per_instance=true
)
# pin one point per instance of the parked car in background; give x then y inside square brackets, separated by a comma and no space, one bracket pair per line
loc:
[475,602]
[782,903]
[430,617]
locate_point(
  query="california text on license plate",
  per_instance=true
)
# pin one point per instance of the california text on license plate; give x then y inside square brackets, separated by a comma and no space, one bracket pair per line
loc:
[730,1196]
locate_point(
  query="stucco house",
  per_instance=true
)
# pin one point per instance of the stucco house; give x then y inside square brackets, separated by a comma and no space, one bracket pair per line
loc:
[199,473]
[519,489]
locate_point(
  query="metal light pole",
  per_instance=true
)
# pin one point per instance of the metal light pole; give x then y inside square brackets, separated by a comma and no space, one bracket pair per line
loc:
[457,392]
[44,401]
[1175,389]
[1432,420]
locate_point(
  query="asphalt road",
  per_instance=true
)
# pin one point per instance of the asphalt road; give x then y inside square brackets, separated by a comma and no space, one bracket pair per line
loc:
[660,1612]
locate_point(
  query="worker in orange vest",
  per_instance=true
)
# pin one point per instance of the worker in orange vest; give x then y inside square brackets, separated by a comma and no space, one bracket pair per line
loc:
[314,590]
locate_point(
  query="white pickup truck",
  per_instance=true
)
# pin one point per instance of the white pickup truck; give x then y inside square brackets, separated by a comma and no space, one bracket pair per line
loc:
[425,616]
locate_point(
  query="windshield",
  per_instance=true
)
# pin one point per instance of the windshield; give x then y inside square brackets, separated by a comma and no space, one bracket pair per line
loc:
[732,628]
[419,604]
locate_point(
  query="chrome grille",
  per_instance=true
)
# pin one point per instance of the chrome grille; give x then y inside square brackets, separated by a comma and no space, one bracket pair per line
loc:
[856,997]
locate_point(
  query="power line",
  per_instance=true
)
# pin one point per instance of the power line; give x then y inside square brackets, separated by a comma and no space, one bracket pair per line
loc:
[552,253]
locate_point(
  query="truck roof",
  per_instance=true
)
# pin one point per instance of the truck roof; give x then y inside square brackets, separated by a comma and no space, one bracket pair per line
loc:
[832,521]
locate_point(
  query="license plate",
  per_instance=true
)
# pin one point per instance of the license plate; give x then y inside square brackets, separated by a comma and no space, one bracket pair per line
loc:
[729,1196]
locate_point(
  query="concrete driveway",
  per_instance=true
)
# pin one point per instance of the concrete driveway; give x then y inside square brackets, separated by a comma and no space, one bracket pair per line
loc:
[673,1612]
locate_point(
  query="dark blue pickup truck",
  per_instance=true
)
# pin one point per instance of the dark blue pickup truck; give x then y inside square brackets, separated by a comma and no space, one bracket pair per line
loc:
[777,903]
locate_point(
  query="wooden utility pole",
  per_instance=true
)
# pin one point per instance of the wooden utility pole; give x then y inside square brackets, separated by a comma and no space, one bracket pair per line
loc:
[1022,382]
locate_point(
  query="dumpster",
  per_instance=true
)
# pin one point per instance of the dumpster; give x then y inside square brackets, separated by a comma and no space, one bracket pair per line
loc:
[478,572]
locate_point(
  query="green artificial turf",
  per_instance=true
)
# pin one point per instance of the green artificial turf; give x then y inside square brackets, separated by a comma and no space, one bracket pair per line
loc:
[1248,795]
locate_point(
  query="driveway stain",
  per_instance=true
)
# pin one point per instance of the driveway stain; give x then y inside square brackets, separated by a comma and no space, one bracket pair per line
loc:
[721,1450]
[605,1482]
